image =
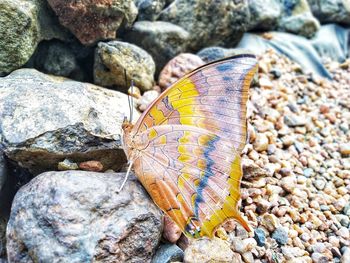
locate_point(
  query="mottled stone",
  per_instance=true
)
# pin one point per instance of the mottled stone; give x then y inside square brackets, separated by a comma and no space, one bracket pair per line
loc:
[264,14]
[91,21]
[24,23]
[167,253]
[73,120]
[259,236]
[177,68]
[331,11]
[80,217]
[162,40]
[114,59]
[66,165]
[280,235]
[209,54]
[243,246]
[209,22]
[171,231]
[261,142]
[93,166]
[201,250]
[293,252]
[149,9]
[3,224]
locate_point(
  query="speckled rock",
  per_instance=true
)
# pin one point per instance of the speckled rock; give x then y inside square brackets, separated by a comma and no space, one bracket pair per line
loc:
[81,218]
[280,235]
[149,9]
[201,250]
[209,54]
[331,11]
[264,14]
[178,67]
[259,236]
[297,18]
[167,253]
[91,21]
[114,58]
[162,40]
[24,23]
[209,22]
[3,224]
[74,120]
[147,98]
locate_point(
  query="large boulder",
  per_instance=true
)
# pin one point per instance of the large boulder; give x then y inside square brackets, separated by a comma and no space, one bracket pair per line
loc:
[116,60]
[24,23]
[209,22]
[77,216]
[46,119]
[91,21]
[162,40]
[334,11]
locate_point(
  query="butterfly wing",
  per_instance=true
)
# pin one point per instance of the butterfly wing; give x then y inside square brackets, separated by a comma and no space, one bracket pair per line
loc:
[187,145]
[212,97]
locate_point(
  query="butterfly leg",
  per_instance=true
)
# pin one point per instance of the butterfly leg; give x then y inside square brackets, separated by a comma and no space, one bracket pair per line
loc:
[126,177]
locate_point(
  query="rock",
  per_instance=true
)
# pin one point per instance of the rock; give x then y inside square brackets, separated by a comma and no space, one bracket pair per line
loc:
[55,58]
[66,165]
[24,23]
[80,217]
[331,42]
[345,148]
[259,236]
[280,235]
[270,222]
[331,11]
[264,14]
[171,231]
[209,54]
[298,19]
[149,9]
[177,68]
[294,120]
[243,246]
[261,142]
[252,171]
[3,172]
[91,21]
[93,166]
[319,258]
[74,120]
[308,172]
[319,184]
[3,224]
[289,183]
[293,252]
[162,40]
[115,58]
[167,253]
[201,250]
[209,23]
[147,98]
[346,255]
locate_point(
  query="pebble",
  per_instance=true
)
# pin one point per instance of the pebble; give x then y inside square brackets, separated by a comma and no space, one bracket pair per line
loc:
[280,235]
[293,252]
[261,142]
[67,165]
[345,148]
[270,221]
[294,120]
[308,172]
[242,246]
[93,166]
[167,253]
[259,236]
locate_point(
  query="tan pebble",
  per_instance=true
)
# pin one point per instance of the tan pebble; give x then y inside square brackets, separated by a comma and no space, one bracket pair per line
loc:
[94,166]
[271,222]
[264,82]
[345,148]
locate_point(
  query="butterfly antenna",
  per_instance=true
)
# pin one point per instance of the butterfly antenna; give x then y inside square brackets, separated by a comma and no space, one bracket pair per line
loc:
[132,100]
[126,177]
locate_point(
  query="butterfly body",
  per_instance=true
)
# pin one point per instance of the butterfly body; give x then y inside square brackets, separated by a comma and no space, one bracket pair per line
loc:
[185,148]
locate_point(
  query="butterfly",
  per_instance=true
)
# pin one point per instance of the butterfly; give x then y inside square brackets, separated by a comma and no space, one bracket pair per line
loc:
[185,148]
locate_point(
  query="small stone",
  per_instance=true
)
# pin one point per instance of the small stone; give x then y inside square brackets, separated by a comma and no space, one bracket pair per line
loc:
[294,120]
[67,165]
[280,235]
[293,252]
[147,98]
[319,184]
[201,250]
[242,246]
[319,258]
[265,83]
[319,247]
[288,183]
[270,221]
[171,231]
[167,253]
[343,232]
[93,166]
[308,172]
[345,148]
[259,236]
[261,142]
[248,257]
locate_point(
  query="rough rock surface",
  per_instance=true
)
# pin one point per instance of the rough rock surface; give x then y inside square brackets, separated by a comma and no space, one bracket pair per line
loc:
[24,23]
[149,9]
[115,58]
[297,18]
[214,53]
[334,11]
[178,67]
[3,224]
[167,253]
[73,120]
[160,39]
[208,250]
[77,216]
[264,14]
[3,175]
[91,21]
[196,16]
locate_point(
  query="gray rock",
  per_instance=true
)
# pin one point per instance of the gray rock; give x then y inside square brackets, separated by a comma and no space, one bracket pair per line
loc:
[293,120]
[3,174]
[331,42]
[264,14]
[297,18]
[333,11]
[210,23]
[115,58]
[259,236]
[3,224]
[167,253]
[77,216]
[24,23]
[214,53]
[160,39]
[280,235]
[73,120]
[296,48]
[149,9]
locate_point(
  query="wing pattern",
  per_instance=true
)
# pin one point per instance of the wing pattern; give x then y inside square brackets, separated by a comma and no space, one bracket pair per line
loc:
[186,146]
